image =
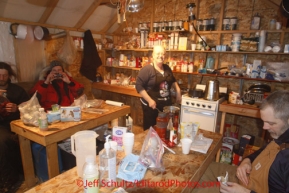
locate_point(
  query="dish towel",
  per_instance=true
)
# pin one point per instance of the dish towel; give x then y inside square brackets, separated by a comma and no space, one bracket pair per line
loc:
[91,60]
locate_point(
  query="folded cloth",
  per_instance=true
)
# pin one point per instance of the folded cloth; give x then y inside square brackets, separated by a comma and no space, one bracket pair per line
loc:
[130,169]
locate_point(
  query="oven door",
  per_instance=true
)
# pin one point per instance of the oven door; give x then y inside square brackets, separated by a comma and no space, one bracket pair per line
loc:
[205,118]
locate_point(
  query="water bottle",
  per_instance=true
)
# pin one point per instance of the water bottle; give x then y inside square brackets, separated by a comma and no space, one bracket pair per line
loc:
[42,121]
[90,175]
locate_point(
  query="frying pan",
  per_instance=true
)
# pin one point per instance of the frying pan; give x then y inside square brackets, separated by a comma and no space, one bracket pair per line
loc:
[214,71]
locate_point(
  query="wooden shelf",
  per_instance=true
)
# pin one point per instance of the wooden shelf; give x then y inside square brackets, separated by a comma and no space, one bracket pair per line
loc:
[124,67]
[216,52]
[116,89]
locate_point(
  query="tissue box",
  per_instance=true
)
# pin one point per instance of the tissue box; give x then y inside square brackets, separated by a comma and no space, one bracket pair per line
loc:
[53,117]
[117,133]
[72,113]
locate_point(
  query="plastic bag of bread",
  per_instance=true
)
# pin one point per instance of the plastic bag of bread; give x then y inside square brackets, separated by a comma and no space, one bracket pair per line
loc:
[29,111]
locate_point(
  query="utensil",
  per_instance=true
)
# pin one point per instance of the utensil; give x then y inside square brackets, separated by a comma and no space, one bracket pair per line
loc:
[212,90]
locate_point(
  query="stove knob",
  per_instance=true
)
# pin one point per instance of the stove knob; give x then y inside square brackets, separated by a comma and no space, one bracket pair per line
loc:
[209,106]
[204,106]
[193,104]
[187,103]
[198,105]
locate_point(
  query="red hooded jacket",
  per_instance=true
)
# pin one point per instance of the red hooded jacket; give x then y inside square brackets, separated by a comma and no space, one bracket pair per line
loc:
[57,92]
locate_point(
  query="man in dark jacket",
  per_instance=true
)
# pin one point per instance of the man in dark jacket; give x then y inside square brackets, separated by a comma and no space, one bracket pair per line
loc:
[57,88]
[10,160]
[267,170]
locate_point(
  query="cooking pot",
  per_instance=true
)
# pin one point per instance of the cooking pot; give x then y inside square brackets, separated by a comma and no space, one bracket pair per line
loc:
[98,77]
[41,33]
[196,93]
[19,31]
[212,90]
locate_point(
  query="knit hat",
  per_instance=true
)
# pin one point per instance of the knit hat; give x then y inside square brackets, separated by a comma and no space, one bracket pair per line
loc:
[55,63]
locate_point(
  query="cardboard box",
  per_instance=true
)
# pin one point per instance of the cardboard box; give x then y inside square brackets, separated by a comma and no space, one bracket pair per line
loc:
[117,133]
[71,113]
[183,43]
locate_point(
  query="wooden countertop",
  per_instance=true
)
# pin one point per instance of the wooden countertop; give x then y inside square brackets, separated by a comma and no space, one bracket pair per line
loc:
[116,88]
[178,168]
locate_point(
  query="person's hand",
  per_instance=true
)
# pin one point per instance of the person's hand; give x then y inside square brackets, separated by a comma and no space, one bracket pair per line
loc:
[11,107]
[178,98]
[233,188]
[152,104]
[243,170]
[65,78]
[49,78]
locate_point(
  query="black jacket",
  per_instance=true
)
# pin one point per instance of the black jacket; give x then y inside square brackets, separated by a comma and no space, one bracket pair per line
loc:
[278,180]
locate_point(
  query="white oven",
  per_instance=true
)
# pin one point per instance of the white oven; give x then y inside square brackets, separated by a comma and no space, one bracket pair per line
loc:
[202,111]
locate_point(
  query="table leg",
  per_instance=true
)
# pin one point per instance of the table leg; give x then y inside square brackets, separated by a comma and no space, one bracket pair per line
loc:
[221,132]
[52,160]
[27,162]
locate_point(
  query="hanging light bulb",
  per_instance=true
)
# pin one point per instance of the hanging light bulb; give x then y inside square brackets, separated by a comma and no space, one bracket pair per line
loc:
[134,5]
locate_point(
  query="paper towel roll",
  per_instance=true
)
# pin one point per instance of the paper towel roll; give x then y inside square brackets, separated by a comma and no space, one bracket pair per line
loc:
[119,104]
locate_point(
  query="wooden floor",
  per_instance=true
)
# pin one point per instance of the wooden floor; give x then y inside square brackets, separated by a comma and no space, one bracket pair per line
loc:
[136,130]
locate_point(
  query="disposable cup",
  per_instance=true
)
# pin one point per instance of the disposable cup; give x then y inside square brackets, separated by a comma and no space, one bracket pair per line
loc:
[128,148]
[194,46]
[113,145]
[127,137]
[186,145]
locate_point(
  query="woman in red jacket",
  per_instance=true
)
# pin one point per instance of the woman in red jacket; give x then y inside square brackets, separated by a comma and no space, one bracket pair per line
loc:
[57,88]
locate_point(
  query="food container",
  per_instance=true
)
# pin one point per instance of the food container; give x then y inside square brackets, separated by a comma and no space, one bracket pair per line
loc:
[72,113]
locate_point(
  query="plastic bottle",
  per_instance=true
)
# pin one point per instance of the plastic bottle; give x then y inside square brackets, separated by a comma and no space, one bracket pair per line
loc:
[90,175]
[107,164]
[42,121]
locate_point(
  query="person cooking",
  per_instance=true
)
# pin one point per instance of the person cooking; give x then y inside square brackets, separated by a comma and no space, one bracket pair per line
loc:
[57,88]
[154,83]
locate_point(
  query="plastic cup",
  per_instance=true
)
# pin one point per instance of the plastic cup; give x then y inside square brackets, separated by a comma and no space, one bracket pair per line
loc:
[113,145]
[55,107]
[194,47]
[127,137]
[186,145]
[128,148]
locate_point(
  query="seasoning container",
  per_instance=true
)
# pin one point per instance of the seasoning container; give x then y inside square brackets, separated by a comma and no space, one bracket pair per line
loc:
[205,24]
[165,26]
[186,26]
[233,23]
[175,25]
[170,26]
[155,27]
[180,25]
[226,24]
[212,25]
[161,126]
[200,26]
[256,20]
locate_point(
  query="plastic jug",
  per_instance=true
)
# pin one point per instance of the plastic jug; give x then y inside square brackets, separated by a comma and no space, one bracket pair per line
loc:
[83,143]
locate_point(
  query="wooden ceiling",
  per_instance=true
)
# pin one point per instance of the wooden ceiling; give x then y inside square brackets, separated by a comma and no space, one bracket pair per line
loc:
[100,16]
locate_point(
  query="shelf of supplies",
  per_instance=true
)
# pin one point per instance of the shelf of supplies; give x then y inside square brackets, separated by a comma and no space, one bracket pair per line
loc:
[239,31]
[126,90]
[217,52]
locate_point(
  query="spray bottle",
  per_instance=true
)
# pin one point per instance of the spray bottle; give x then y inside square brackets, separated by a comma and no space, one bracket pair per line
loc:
[107,163]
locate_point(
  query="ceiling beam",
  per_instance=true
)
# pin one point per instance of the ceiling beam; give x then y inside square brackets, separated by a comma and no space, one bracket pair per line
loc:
[274,4]
[50,7]
[88,13]
[46,25]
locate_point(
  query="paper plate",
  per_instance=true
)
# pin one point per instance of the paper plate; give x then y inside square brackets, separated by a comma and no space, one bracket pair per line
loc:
[230,140]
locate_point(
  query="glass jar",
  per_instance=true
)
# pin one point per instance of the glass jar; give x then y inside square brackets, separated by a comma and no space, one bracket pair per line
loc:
[162,123]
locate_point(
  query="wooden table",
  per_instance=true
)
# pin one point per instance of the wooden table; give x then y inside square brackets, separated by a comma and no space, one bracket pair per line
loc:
[56,133]
[178,168]
[243,110]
